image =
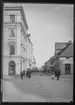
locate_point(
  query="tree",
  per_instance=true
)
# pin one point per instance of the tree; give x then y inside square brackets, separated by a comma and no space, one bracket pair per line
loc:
[45,68]
[56,65]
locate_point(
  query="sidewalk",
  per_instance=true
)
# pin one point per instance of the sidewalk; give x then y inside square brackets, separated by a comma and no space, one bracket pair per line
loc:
[6,77]
[12,94]
[66,76]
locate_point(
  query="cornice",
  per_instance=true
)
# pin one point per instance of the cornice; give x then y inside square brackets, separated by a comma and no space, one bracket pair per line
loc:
[20,8]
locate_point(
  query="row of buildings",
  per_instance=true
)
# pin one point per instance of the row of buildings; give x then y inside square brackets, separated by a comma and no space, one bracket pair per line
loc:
[17,46]
[63,58]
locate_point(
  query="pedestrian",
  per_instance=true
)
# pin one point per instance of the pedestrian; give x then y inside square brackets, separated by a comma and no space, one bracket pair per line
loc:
[55,73]
[23,72]
[21,75]
[52,69]
[52,76]
[27,73]
[58,74]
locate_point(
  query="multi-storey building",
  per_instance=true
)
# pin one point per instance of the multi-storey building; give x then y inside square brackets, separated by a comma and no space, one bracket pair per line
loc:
[63,58]
[66,60]
[15,40]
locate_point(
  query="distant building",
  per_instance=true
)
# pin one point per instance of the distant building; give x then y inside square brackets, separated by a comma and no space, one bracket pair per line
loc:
[17,47]
[60,45]
[66,60]
[63,58]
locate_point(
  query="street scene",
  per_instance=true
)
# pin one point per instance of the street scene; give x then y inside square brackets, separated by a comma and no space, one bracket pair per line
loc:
[38,89]
[37,53]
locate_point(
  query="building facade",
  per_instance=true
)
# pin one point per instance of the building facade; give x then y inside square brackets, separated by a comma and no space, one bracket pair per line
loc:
[16,44]
[30,56]
[62,59]
[66,59]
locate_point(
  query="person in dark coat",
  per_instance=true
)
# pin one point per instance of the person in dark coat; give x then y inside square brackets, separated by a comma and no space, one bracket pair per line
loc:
[27,73]
[21,75]
[57,74]
[23,72]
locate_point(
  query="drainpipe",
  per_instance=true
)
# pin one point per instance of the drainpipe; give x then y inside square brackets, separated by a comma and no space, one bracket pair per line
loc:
[21,66]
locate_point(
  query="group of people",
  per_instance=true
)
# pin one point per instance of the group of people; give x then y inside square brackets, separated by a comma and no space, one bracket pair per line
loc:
[56,73]
[28,74]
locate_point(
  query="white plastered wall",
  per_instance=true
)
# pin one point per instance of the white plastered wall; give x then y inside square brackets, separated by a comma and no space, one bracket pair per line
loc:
[64,61]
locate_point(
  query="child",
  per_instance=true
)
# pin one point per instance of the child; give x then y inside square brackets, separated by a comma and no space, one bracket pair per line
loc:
[52,76]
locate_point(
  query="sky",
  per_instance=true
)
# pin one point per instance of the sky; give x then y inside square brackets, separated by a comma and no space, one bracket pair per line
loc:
[48,23]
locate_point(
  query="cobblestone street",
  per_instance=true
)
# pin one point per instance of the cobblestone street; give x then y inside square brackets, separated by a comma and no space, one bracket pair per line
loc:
[42,87]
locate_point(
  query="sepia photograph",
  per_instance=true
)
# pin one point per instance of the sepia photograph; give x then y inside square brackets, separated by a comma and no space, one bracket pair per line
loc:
[37,60]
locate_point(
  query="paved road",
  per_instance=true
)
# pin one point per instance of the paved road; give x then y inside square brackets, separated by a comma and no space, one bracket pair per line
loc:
[46,88]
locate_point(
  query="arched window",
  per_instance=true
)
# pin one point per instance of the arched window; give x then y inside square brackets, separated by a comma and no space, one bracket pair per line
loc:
[12,66]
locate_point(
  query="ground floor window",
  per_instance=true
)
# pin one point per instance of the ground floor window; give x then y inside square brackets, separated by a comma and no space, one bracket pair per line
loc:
[11,67]
[67,68]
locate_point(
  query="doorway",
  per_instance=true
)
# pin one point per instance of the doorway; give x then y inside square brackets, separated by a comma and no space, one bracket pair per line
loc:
[67,68]
[12,68]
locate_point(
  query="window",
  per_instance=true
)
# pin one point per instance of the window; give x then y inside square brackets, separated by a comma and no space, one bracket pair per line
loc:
[67,68]
[12,49]
[12,34]
[12,18]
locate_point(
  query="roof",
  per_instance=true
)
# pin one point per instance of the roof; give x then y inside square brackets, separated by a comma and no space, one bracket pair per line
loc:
[64,52]
[59,46]
[68,52]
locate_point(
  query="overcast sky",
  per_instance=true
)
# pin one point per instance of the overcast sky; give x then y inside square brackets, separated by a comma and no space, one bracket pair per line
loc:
[48,23]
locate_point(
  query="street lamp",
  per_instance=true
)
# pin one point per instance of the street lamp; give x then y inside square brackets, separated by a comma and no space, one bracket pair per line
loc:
[21,65]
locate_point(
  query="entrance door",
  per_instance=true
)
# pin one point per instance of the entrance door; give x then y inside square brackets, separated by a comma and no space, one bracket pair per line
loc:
[67,68]
[11,68]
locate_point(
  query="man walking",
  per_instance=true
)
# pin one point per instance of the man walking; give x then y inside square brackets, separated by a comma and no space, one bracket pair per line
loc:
[57,73]
[29,74]
[21,75]
[23,72]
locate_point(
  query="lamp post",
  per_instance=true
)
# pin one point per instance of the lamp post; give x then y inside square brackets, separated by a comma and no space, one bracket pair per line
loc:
[21,66]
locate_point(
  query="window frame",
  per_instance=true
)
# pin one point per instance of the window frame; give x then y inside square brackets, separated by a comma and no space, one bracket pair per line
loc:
[12,48]
[12,18]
